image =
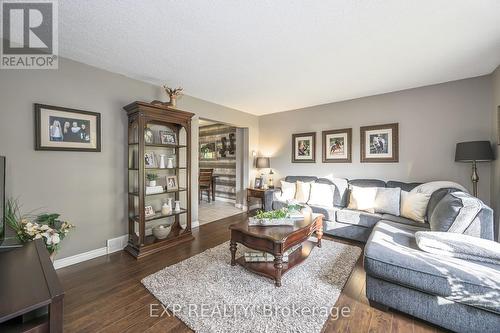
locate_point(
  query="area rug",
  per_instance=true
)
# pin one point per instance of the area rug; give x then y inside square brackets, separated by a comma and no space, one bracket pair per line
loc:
[210,295]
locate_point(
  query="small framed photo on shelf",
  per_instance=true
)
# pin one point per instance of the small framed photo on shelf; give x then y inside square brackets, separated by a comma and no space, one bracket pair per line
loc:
[172,184]
[149,136]
[168,138]
[258,182]
[149,211]
[149,160]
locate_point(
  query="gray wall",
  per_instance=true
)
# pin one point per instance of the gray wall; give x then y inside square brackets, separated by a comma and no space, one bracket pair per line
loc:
[88,189]
[495,170]
[431,121]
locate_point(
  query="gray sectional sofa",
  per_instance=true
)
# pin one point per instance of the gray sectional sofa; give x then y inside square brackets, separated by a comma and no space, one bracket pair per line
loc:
[457,294]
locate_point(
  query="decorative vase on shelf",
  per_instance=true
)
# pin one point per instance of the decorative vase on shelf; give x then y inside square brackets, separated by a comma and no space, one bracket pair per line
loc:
[177,206]
[152,183]
[162,161]
[52,256]
[170,163]
[166,209]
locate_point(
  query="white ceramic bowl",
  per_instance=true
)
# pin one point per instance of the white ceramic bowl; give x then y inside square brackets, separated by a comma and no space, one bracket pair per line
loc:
[161,231]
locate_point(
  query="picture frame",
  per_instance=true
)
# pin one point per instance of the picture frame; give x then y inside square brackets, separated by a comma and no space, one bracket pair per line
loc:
[172,183]
[167,137]
[149,211]
[208,151]
[148,136]
[150,160]
[304,147]
[64,129]
[380,143]
[337,146]
[258,182]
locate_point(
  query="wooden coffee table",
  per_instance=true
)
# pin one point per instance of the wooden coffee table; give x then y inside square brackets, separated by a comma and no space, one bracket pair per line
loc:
[276,241]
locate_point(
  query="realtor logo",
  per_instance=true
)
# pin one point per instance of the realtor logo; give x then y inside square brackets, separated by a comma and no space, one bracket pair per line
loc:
[29,34]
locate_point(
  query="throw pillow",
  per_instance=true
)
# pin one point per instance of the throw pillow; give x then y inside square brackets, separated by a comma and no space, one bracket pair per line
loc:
[303,191]
[321,194]
[458,246]
[363,198]
[387,200]
[455,212]
[414,205]
[287,191]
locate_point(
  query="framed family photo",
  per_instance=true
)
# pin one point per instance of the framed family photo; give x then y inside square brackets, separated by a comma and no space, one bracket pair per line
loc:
[150,160]
[337,146]
[172,184]
[59,128]
[167,138]
[380,143]
[304,147]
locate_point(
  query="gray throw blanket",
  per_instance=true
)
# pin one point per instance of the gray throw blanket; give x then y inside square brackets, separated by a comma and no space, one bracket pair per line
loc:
[459,246]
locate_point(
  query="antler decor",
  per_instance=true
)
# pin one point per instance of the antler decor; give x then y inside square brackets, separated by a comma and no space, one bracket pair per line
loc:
[173,94]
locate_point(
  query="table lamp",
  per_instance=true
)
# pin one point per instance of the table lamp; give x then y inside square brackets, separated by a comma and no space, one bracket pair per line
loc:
[474,151]
[265,163]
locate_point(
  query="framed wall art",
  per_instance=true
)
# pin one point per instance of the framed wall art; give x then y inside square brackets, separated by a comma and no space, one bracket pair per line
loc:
[59,128]
[380,143]
[337,146]
[304,147]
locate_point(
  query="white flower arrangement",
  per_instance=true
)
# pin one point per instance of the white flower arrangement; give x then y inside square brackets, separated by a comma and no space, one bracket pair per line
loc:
[44,226]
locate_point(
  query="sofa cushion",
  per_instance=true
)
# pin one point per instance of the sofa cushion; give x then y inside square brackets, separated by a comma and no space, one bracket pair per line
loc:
[287,191]
[329,212]
[414,205]
[436,197]
[403,220]
[303,191]
[367,182]
[391,254]
[357,217]
[306,179]
[455,212]
[403,186]
[387,200]
[321,194]
[341,195]
[362,198]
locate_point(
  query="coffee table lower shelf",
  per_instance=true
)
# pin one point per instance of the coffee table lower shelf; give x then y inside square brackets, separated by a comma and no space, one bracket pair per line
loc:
[267,268]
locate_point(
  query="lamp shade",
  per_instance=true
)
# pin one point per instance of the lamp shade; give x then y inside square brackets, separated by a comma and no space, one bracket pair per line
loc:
[479,151]
[263,163]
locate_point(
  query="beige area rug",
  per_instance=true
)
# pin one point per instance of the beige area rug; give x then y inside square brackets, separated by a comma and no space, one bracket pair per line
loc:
[210,295]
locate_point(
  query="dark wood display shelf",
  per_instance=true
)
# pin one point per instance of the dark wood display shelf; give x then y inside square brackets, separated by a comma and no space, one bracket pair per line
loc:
[181,189]
[142,115]
[158,169]
[160,216]
[160,145]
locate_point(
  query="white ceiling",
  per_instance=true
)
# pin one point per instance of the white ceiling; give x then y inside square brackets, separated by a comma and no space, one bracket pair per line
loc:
[269,56]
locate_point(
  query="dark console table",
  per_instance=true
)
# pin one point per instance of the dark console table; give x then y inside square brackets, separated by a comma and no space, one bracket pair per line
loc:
[32,296]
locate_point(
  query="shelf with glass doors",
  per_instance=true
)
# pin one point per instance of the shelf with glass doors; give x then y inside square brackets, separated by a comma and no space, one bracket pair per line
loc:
[159,179]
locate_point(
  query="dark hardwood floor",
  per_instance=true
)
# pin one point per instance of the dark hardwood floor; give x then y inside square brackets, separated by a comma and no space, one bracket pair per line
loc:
[105,294]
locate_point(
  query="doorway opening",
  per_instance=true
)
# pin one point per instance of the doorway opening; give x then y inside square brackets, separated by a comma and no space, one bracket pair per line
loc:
[222,148]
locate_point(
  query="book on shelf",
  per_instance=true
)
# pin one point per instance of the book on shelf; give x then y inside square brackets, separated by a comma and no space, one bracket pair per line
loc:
[154,189]
[260,256]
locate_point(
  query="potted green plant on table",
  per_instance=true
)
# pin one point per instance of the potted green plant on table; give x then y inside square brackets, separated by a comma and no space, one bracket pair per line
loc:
[44,226]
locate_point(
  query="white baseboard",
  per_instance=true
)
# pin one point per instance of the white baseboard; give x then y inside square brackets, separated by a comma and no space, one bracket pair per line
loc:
[195,224]
[68,261]
[113,245]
